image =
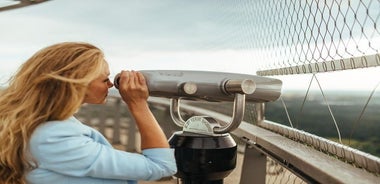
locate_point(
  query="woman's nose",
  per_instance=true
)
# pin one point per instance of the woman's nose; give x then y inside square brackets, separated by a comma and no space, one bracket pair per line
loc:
[110,84]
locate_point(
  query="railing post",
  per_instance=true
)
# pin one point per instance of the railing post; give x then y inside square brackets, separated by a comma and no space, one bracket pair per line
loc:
[132,130]
[116,123]
[254,166]
[102,123]
[254,162]
[260,111]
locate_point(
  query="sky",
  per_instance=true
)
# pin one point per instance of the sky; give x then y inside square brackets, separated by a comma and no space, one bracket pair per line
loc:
[149,35]
[133,35]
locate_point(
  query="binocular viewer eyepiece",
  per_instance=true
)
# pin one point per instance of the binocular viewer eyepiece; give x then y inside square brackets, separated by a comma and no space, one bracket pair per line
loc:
[209,86]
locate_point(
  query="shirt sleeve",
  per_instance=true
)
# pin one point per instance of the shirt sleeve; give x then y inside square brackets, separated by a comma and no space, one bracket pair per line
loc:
[70,149]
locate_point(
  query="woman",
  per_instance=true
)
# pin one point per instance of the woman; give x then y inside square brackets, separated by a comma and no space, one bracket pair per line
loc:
[42,142]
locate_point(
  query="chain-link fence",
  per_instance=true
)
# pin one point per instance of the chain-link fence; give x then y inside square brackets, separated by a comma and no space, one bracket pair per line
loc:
[316,36]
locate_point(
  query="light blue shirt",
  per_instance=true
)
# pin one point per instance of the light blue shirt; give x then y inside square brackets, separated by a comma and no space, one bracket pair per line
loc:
[69,152]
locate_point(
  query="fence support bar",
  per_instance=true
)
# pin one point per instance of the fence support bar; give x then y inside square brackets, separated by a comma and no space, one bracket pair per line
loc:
[254,166]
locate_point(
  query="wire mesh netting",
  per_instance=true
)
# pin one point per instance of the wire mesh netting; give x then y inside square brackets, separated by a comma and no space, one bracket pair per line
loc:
[316,36]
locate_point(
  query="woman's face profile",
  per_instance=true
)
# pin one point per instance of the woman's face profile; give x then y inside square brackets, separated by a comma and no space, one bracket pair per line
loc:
[97,90]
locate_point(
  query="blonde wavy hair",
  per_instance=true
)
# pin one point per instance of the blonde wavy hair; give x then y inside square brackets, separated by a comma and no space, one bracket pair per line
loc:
[50,85]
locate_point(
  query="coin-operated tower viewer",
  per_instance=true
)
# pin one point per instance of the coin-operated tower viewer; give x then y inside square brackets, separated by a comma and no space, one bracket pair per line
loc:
[205,152]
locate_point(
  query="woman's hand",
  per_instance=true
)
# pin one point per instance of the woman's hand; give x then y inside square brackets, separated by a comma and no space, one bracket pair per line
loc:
[134,92]
[133,88]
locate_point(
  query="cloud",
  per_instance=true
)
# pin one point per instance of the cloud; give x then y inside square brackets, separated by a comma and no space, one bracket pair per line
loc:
[221,60]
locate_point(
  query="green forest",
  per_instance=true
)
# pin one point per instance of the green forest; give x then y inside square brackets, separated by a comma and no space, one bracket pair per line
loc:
[359,128]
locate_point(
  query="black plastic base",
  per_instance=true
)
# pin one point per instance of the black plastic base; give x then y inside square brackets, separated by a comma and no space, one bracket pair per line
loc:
[203,159]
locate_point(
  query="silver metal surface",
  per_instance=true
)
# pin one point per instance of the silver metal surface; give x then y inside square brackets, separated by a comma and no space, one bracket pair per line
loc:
[365,61]
[189,88]
[346,153]
[200,125]
[224,127]
[210,86]
[237,116]
[175,112]
[245,86]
